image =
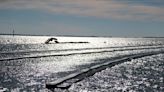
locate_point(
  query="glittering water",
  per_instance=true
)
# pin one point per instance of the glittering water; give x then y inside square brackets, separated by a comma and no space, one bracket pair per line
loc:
[26,63]
[139,75]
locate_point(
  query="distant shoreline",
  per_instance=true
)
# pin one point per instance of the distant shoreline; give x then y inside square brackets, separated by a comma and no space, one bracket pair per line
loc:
[24,35]
[52,35]
[76,36]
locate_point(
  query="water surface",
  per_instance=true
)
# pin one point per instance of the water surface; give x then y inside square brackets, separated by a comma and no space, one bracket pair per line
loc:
[26,63]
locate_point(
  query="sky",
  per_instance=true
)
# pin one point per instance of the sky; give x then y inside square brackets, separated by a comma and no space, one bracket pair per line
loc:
[118,18]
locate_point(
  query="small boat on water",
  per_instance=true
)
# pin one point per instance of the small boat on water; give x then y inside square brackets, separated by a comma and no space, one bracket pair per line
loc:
[51,39]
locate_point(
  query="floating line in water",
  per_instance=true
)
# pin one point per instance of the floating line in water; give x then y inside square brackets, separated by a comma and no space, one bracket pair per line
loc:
[66,82]
[68,54]
[40,51]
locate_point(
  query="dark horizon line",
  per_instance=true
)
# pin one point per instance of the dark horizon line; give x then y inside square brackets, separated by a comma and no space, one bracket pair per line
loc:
[77,35]
[51,35]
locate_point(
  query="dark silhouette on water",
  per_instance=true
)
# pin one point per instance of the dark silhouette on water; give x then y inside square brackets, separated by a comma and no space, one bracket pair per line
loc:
[56,41]
[51,39]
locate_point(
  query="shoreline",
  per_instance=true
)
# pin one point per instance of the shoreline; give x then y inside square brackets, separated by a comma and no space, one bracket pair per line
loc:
[78,36]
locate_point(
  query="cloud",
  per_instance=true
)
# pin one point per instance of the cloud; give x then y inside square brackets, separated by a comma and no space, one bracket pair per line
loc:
[113,9]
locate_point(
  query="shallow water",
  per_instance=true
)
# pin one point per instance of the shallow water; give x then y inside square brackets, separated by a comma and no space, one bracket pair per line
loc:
[139,75]
[26,63]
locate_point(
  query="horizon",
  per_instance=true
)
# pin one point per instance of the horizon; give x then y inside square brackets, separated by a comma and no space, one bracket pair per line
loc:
[112,18]
[3,34]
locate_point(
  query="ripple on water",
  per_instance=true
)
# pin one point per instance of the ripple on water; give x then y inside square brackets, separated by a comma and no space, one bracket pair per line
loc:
[144,74]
